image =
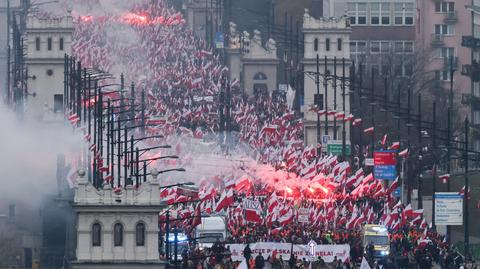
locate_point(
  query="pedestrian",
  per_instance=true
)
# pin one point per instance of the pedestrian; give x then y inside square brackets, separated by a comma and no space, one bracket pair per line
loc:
[247,252]
[259,261]
[291,261]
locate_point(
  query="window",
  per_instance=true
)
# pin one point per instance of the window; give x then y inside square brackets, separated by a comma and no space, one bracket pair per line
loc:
[140,234]
[315,44]
[384,47]
[403,47]
[37,43]
[444,29]
[357,13]
[442,75]
[446,52]
[96,234]
[339,44]
[403,13]
[380,13]
[60,43]
[118,235]
[49,43]
[327,44]
[57,103]
[444,7]
[260,76]
[374,47]
[358,47]
[476,117]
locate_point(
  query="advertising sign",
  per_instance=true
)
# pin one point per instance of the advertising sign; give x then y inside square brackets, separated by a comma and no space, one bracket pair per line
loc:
[448,208]
[327,252]
[385,162]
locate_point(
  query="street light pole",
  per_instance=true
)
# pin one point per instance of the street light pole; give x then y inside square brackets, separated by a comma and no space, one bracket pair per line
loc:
[465,195]
[434,170]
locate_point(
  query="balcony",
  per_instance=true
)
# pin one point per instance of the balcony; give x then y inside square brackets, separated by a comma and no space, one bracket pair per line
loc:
[451,17]
[437,40]
[448,61]
[472,71]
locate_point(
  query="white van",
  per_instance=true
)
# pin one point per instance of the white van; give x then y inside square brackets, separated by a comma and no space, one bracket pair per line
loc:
[210,230]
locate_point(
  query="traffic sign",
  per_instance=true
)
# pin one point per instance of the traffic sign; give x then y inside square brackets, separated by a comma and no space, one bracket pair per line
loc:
[368,161]
[325,139]
[385,157]
[312,245]
[385,172]
[335,147]
[448,208]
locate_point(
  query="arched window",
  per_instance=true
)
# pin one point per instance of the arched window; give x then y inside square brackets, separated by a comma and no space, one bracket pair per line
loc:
[315,44]
[140,234]
[60,43]
[118,235]
[96,234]
[327,44]
[260,76]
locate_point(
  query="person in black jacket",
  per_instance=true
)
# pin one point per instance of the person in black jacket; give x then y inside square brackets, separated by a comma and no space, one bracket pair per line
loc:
[247,253]
[259,262]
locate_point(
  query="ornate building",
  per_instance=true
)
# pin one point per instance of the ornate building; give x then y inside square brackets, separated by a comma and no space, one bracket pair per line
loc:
[117,229]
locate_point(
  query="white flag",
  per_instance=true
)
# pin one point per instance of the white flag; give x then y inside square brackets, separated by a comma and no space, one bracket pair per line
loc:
[365,264]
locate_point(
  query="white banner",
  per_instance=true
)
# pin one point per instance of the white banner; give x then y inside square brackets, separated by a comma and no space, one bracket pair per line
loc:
[327,252]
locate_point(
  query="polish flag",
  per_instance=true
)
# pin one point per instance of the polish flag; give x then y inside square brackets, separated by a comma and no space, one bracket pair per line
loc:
[286,218]
[403,153]
[384,140]
[395,146]
[225,201]
[357,122]
[393,186]
[445,178]
[272,202]
[348,118]
[331,112]
[368,130]
[243,182]
[208,193]
[322,112]
[229,183]
[340,115]
[197,218]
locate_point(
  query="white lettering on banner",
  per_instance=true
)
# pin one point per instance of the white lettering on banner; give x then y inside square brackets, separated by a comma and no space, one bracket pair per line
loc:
[327,252]
[251,204]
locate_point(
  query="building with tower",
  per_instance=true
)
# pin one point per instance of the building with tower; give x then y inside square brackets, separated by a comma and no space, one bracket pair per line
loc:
[117,229]
[47,42]
[328,40]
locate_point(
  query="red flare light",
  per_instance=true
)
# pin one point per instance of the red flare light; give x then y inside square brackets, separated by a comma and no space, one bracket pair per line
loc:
[86,18]
[288,190]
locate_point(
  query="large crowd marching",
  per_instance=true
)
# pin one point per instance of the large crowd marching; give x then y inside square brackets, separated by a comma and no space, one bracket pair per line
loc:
[183,80]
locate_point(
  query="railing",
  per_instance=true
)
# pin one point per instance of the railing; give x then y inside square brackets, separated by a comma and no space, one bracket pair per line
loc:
[437,40]
[447,62]
[451,17]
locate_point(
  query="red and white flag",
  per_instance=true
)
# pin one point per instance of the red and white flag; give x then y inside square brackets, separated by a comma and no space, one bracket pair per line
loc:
[253,210]
[225,201]
[368,130]
[384,140]
[357,122]
[445,178]
[348,118]
[403,153]
[395,146]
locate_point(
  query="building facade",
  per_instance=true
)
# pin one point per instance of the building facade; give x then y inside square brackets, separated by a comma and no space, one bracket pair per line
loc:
[328,39]
[117,229]
[47,42]
[380,30]
[253,63]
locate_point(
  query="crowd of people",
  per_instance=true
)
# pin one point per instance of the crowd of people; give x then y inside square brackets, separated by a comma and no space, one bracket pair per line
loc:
[183,79]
